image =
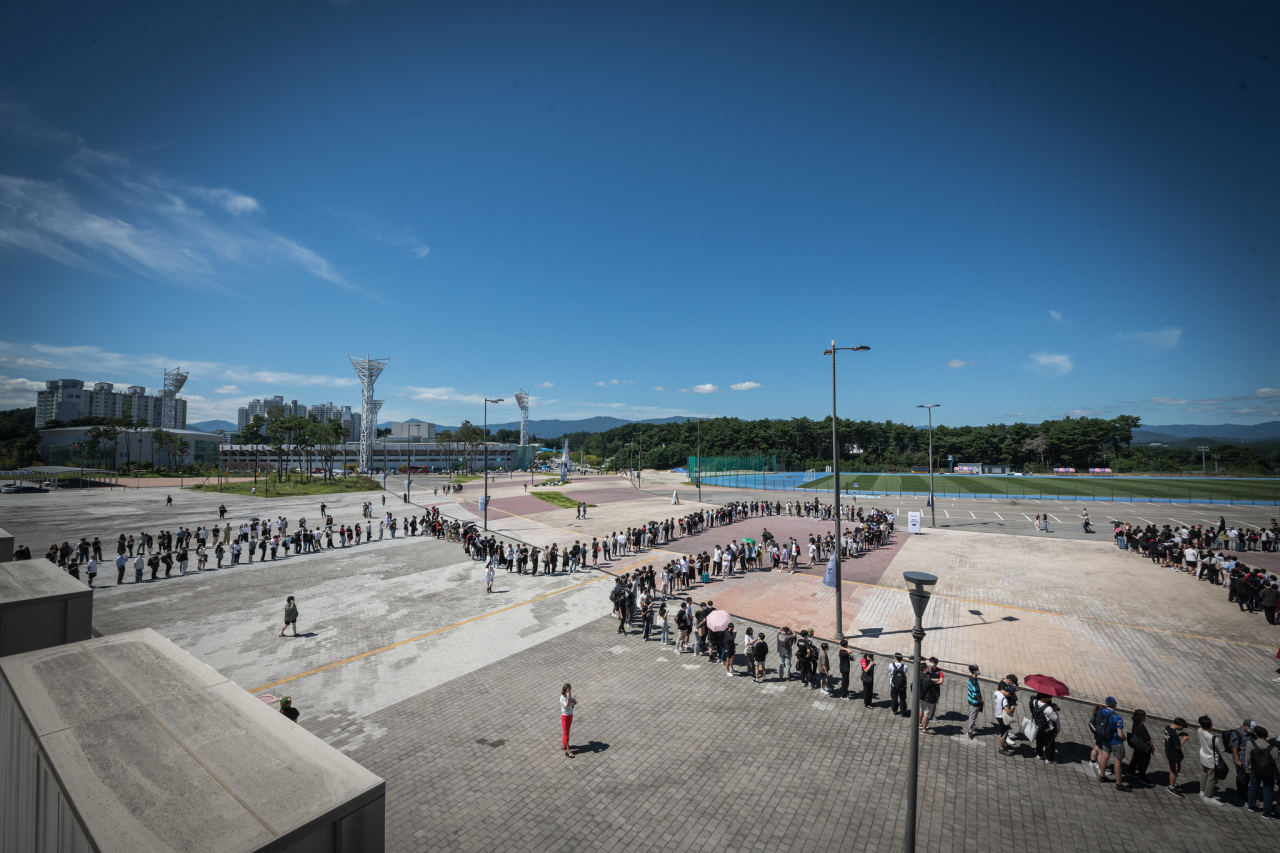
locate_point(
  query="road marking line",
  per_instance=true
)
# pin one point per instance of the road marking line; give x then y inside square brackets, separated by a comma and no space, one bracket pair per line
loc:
[372,652]
[971,513]
[947,514]
[1055,518]
[999,516]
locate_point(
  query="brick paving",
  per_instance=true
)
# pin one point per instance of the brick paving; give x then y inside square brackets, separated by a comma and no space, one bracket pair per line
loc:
[458,709]
[675,756]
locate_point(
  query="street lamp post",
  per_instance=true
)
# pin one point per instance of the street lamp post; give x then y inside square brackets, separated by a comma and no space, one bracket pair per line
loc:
[1203,448]
[835,467]
[933,512]
[1215,462]
[698,476]
[487,401]
[921,585]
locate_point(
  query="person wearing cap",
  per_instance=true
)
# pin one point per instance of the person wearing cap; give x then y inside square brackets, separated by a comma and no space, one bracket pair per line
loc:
[974,697]
[286,708]
[1110,733]
[898,685]
[1002,706]
[1237,740]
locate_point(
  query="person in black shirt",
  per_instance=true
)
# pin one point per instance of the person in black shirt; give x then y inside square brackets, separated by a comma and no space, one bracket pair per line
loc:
[1175,735]
[845,660]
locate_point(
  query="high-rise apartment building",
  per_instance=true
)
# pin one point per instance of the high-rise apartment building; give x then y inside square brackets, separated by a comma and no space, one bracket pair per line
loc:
[68,399]
[321,412]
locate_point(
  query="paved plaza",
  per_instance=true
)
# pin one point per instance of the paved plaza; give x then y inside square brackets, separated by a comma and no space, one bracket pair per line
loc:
[408,666]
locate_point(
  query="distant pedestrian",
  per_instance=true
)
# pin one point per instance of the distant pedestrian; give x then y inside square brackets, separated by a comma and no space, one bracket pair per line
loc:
[1143,748]
[287,709]
[844,661]
[567,703]
[93,571]
[290,616]
[168,500]
[122,562]
[488,576]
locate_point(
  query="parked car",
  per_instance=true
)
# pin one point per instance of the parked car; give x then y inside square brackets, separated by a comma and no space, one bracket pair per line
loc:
[19,489]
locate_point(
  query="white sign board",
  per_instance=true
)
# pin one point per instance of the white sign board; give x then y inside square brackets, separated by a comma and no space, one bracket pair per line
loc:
[913,522]
[484,502]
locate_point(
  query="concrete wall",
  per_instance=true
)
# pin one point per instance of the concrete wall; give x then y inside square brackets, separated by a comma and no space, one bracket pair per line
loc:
[41,606]
[34,815]
[149,749]
[6,546]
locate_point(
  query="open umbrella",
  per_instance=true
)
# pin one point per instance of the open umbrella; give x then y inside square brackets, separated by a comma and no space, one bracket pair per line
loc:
[1046,684]
[748,540]
[718,620]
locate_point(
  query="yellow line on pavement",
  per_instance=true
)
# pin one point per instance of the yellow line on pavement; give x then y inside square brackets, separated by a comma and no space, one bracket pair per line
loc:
[372,652]
[421,636]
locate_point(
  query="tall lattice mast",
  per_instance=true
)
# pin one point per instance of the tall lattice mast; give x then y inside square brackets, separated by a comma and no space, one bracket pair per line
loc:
[368,369]
[522,400]
[173,382]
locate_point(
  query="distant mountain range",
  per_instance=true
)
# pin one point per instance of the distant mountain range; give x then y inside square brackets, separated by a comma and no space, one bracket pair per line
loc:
[556,428]
[213,426]
[1179,434]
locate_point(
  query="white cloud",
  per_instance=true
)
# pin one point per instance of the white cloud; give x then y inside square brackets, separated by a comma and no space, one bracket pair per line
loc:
[683,390]
[275,377]
[112,217]
[658,388]
[957,363]
[1084,413]
[1267,393]
[705,389]
[1054,363]
[1167,401]
[545,385]
[228,389]
[18,393]
[1161,341]
[743,386]
[443,395]
[1056,315]
[616,382]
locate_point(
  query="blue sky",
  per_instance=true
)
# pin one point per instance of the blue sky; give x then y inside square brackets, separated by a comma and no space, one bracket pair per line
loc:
[649,209]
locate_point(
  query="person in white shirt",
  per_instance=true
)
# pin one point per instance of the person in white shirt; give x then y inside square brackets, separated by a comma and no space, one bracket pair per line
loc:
[1192,558]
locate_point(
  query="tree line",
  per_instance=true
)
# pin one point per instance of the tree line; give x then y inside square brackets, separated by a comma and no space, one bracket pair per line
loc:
[803,443]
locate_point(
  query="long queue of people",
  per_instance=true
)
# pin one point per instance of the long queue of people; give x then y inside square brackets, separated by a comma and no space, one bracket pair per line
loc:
[1191,551]
[1247,753]
[272,539]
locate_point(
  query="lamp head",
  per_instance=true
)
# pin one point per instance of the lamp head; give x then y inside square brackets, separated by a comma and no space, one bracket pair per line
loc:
[923,583]
[861,349]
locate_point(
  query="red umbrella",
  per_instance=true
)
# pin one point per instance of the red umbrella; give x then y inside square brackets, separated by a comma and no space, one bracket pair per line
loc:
[1046,684]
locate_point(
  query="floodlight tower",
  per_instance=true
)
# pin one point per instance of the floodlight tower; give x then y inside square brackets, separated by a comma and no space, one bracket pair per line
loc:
[173,382]
[522,400]
[368,370]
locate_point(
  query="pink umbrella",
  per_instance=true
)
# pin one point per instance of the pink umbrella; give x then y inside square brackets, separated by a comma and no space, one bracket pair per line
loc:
[718,620]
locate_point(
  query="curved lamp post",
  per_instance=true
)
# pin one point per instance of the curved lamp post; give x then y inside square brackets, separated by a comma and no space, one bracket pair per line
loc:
[922,584]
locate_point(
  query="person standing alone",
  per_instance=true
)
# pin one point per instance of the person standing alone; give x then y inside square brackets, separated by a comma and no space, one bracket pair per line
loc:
[566,718]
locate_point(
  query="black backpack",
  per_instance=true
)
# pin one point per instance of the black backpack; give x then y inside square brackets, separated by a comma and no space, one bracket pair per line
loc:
[1264,761]
[898,678]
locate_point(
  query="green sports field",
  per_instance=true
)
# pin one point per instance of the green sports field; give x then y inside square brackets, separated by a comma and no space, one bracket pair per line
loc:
[1156,489]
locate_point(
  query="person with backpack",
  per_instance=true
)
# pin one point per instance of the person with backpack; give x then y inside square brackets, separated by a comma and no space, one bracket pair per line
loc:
[1237,740]
[1260,758]
[1108,730]
[845,662]
[1143,748]
[898,685]
[1175,738]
